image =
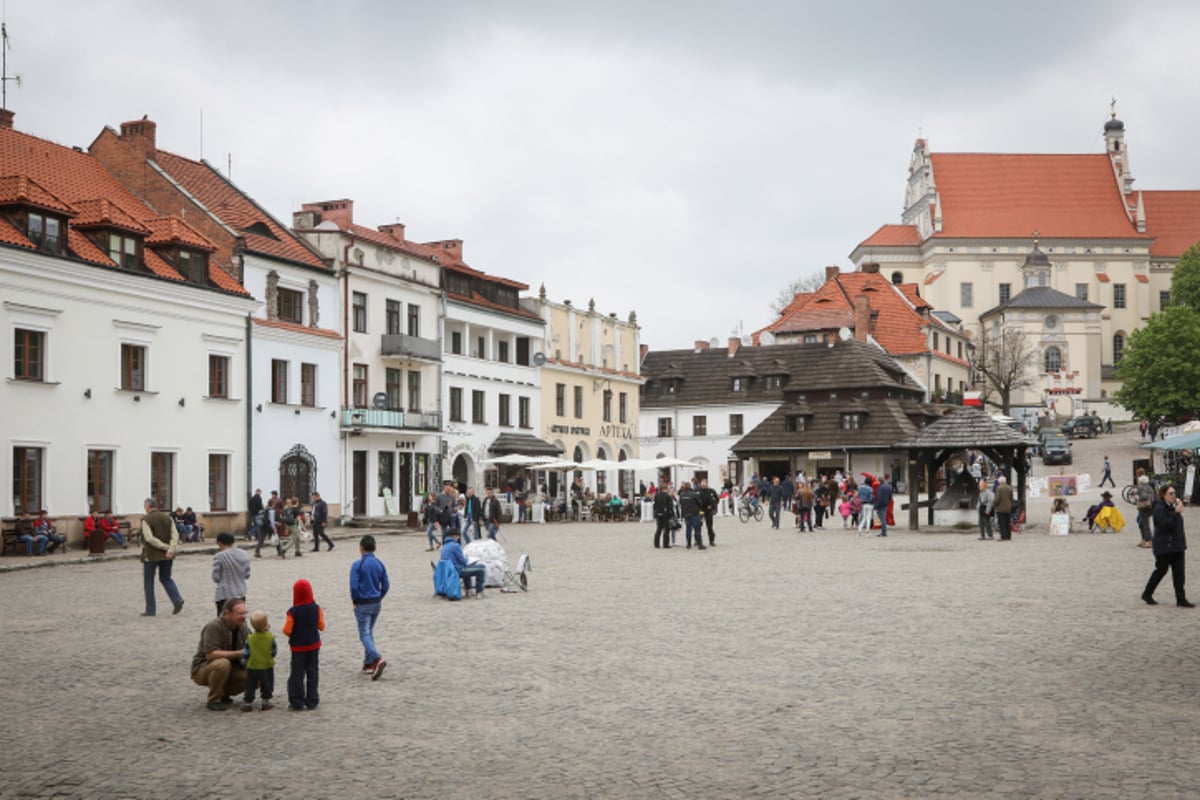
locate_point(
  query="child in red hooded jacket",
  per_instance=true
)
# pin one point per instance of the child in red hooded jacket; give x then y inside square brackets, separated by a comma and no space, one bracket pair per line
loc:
[305,621]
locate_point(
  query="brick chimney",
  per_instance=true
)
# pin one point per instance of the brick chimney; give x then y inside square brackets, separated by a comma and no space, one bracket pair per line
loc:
[339,212]
[395,230]
[643,349]
[734,343]
[872,269]
[862,317]
[6,118]
[140,135]
[701,344]
[832,272]
[453,248]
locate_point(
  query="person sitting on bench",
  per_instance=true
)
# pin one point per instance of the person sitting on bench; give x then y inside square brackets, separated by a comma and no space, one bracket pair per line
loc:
[452,552]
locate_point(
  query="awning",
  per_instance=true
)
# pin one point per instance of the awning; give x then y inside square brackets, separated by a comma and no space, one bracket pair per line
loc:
[1184,441]
[523,444]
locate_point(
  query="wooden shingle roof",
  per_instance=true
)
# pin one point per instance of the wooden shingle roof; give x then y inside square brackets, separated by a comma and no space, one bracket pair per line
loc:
[963,428]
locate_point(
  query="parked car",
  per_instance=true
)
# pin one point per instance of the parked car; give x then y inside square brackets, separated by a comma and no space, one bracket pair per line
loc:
[1044,433]
[1056,449]
[1091,427]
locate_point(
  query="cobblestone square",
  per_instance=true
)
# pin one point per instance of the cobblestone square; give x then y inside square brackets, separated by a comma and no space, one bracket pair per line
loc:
[777,664]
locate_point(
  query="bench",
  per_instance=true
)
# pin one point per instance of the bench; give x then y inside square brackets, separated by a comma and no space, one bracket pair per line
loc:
[11,542]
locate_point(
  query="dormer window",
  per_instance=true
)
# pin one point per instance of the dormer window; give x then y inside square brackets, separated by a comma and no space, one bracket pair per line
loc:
[851,422]
[193,266]
[794,422]
[46,232]
[123,250]
[739,384]
[774,382]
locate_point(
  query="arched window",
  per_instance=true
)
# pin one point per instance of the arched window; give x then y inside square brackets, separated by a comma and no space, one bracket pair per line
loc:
[1118,347]
[1053,359]
[298,474]
[897,278]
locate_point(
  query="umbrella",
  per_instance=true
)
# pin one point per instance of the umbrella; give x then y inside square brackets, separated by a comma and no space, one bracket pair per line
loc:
[518,459]
[1183,441]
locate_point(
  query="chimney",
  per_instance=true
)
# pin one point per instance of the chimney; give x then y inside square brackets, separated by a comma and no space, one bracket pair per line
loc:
[140,135]
[734,343]
[831,273]
[862,317]
[870,268]
[6,118]
[395,230]
[339,212]
[643,349]
[453,248]
[701,344]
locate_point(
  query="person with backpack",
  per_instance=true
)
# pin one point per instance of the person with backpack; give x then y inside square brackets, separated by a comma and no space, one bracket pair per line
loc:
[709,501]
[291,521]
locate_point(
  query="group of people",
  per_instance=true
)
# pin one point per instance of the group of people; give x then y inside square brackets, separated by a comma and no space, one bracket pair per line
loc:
[281,521]
[996,505]
[39,535]
[234,658]
[812,500]
[190,530]
[685,508]
[463,513]
[104,524]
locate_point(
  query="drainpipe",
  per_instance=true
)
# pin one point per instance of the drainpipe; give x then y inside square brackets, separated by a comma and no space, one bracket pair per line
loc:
[249,412]
[438,475]
[347,462]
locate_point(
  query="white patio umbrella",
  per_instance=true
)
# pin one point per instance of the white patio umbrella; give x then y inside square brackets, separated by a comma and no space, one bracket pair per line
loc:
[521,460]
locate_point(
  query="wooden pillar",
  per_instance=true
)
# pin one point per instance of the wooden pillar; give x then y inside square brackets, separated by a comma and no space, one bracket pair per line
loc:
[931,486]
[914,481]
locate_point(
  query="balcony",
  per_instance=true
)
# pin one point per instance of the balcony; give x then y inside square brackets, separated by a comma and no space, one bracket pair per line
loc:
[401,344]
[359,418]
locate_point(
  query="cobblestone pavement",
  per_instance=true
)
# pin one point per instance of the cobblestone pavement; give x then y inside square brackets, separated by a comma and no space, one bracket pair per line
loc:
[777,664]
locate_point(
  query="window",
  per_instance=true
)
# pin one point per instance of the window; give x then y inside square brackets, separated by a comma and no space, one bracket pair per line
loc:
[699,425]
[359,386]
[671,387]
[623,407]
[1164,300]
[506,410]
[966,294]
[478,406]
[738,385]
[456,344]
[358,311]
[664,427]
[578,402]
[851,422]
[392,383]
[308,385]
[523,412]
[414,391]
[1081,291]
[291,306]
[607,405]
[1053,359]
[456,404]
[392,314]
[218,482]
[793,423]
[29,359]
[560,399]
[1118,347]
[387,472]
[218,377]
[193,266]
[27,480]
[100,480]
[935,340]
[960,350]
[414,319]
[1005,292]
[523,351]
[735,424]
[45,232]
[133,367]
[1118,295]
[480,347]
[123,250]
[502,351]
[162,480]
[774,382]
[279,380]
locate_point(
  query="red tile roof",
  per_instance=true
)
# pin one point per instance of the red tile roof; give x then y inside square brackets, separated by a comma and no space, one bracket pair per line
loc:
[263,234]
[1011,195]
[893,236]
[173,230]
[10,235]
[1173,218]
[23,190]
[103,213]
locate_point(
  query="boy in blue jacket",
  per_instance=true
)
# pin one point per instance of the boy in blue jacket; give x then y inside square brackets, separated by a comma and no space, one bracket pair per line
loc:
[368,586]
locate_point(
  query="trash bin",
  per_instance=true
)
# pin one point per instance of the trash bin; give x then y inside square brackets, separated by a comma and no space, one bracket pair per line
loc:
[95,544]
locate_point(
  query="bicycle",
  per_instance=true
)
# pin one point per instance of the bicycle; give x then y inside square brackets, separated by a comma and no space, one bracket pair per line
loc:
[751,509]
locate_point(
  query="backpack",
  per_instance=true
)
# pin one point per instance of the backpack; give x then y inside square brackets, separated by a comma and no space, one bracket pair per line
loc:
[289,515]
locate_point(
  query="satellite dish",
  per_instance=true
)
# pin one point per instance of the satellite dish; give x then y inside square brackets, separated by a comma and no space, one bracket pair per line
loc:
[539,359]
[714,342]
[844,334]
[747,339]
[766,338]
[379,401]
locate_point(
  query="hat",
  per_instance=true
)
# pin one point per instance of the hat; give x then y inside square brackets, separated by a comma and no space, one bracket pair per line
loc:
[1106,495]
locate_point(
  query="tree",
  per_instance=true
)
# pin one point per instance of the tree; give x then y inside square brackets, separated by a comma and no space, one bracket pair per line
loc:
[1007,362]
[1185,279]
[807,283]
[1159,373]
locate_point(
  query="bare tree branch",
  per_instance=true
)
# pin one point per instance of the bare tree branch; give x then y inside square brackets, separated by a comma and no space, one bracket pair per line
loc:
[1007,364]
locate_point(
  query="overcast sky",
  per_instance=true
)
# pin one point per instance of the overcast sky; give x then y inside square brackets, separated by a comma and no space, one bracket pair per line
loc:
[682,159]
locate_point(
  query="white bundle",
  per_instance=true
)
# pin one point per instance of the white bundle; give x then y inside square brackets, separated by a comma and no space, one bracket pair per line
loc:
[489,553]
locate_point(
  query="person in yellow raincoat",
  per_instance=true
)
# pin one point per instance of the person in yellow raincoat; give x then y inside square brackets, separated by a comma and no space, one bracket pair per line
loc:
[1109,517]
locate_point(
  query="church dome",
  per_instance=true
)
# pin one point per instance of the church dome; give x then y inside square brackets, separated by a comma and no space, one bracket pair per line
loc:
[1036,258]
[1114,124]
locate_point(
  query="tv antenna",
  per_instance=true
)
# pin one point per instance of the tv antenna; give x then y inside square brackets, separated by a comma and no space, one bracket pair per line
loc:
[4,76]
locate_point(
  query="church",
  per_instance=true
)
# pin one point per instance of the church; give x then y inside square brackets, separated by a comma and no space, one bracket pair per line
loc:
[1059,246]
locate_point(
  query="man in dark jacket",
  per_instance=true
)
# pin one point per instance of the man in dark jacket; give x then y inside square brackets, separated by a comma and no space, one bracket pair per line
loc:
[159,540]
[709,500]
[1169,546]
[776,496]
[256,514]
[1004,508]
[489,514]
[320,516]
[664,513]
[689,509]
[883,499]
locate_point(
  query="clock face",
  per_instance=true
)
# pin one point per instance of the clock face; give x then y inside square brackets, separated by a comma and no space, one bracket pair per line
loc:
[1051,322]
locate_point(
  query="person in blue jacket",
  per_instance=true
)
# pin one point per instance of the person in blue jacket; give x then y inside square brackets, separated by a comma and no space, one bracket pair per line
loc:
[452,552]
[368,586]
[883,498]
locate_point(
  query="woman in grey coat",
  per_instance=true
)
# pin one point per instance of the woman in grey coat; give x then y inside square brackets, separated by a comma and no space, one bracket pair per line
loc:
[987,510]
[231,568]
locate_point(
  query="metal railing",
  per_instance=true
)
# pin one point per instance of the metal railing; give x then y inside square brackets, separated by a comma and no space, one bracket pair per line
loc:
[401,344]
[400,420]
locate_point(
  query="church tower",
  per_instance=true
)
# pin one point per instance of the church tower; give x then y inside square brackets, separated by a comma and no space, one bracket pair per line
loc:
[1114,145]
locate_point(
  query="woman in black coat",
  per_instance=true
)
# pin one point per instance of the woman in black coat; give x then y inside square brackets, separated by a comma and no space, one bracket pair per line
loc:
[1169,544]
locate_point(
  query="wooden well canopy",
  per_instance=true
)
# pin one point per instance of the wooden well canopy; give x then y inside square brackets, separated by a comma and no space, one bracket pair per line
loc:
[964,428]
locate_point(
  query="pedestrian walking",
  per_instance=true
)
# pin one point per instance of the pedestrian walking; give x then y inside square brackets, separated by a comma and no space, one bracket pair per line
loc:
[1107,476]
[883,501]
[230,569]
[866,503]
[368,586]
[1169,546]
[1004,508]
[159,540]
[1144,499]
[319,517]
[987,510]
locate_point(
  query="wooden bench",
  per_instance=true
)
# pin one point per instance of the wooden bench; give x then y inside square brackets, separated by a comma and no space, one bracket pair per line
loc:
[8,528]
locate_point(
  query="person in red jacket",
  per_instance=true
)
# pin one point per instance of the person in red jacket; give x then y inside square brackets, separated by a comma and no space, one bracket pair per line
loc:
[305,621]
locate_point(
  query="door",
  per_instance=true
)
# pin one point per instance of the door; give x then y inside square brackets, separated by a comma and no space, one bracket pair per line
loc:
[360,483]
[406,490]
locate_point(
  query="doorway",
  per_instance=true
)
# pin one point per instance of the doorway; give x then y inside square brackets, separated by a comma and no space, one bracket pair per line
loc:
[359,479]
